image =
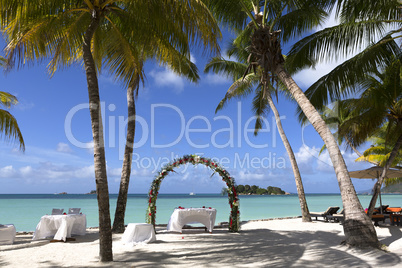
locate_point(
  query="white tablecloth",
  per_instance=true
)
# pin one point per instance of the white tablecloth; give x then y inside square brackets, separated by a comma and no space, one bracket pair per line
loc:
[60,226]
[138,233]
[7,234]
[181,217]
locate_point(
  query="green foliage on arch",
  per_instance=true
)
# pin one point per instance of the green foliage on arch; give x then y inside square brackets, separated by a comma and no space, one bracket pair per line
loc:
[234,218]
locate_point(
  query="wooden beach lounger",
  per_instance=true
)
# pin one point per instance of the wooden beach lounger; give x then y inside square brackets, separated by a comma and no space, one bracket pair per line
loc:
[337,217]
[324,214]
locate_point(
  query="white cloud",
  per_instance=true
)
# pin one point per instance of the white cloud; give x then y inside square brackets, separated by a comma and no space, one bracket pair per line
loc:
[167,77]
[114,172]
[244,175]
[193,59]
[7,172]
[307,77]
[63,148]
[216,79]
[89,146]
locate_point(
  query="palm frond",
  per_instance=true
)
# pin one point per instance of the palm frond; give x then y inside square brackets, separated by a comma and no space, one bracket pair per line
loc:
[241,88]
[230,69]
[259,107]
[9,128]
[336,42]
[6,99]
[344,79]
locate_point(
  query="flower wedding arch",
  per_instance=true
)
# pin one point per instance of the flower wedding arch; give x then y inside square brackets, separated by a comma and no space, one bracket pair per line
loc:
[234,218]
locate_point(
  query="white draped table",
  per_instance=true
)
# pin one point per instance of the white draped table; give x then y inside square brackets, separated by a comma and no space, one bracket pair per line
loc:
[183,216]
[60,226]
[7,234]
[138,233]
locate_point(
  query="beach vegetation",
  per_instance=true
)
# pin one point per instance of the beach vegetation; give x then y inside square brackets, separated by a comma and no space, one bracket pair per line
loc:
[379,108]
[180,64]
[256,83]
[99,34]
[9,128]
[374,114]
[267,24]
[270,190]
[371,30]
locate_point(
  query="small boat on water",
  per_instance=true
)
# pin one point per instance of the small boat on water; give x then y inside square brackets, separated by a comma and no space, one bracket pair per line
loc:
[192,193]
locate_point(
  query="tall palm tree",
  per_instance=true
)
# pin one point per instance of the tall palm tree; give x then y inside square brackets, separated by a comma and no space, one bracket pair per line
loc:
[242,87]
[177,63]
[273,22]
[380,102]
[372,26]
[68,31]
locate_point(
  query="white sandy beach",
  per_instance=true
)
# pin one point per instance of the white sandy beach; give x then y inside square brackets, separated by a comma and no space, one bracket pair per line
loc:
[269,243]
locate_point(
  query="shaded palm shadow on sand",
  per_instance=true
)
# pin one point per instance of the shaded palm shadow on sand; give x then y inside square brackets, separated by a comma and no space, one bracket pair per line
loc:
[257,248]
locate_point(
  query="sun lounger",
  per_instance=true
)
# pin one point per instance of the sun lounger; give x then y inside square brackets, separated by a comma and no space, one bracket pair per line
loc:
[337,217]
[376,218]
[330,211]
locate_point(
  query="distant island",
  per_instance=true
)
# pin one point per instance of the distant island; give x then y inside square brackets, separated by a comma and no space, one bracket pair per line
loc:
[256,190]
[92,192]
[392,189]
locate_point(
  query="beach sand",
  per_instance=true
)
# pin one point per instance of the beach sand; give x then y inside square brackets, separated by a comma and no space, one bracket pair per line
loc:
[265,243]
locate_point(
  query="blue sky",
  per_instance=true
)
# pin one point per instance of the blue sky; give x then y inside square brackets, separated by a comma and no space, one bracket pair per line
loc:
[175,118]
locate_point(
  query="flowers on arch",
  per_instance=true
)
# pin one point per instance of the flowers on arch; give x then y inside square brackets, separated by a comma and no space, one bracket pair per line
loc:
[234,218]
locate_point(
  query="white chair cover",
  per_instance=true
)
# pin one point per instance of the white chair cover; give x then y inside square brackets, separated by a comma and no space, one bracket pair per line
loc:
[7,234]
[181,217]
[74,210]
[57,211]
[60,226]
[136,233]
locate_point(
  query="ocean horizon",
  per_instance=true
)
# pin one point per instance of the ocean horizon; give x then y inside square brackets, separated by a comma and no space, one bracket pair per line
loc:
[25,210]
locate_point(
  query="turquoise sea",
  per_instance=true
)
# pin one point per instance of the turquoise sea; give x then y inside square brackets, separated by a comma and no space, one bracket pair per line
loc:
[25,210]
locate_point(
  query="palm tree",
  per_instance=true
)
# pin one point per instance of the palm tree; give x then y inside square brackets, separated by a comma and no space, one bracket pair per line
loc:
[379,153]
[335,118]
[374,27]
[179,64]
[94,30]
[242,87]
[379,103]
[281,21]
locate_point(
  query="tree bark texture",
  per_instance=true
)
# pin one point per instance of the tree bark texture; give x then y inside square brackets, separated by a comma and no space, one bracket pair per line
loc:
[118,223]
[358,228]
[299,184]
[102,191]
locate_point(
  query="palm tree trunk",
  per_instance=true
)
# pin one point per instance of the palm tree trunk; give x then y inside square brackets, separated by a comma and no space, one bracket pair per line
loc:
[299,184]
[105,232]
[358,228]
[380,181]
[118,223]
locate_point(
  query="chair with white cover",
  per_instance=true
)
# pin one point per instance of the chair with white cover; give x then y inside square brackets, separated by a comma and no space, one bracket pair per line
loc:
[74,210]
[7,234]
[57,211]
